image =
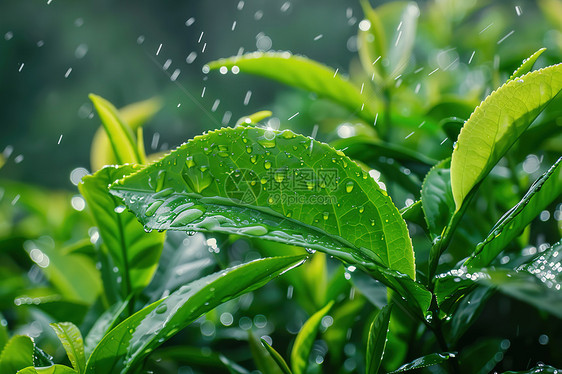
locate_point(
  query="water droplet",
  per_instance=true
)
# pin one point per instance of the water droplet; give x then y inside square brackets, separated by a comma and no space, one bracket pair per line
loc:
[254,230]
[189,162]
[162,309]
[267,165]
[325,215]
[267,140]
[223,150]
[152,208]
[186,217]
[279,177]
[361,209]
[349,186]
[249,149]
[288,134]
[253,159]
[197,178]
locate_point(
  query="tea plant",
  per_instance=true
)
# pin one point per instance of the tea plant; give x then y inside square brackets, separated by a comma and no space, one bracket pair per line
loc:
[388,289]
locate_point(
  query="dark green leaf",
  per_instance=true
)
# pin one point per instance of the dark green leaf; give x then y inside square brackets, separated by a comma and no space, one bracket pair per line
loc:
[497,123]
[482,357]
[133,339]
[134,252]
[305,339]
[527,65]
[376,342]
[71,340]
[466,312]
[264,361]
[17,354]
[4,337]
[277,357]
[437,198]
[41,358]
[232,367]
[425,361]
[272,185]
[545,190]
[301,72]
[539,369]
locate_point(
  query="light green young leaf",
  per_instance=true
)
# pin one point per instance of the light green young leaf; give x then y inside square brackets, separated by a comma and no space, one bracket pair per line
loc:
[119,133]
[17,354]
[301,72]
[425,361]
[134,252]
[132,340]
[527,65]
[271,185]
[134,116]
[437,198]
[71,340]
[389,37]
[264,361]
[376,341]
[304,340]
[497,123]
[544,191]
[277,358]
[54,369]
[254,119]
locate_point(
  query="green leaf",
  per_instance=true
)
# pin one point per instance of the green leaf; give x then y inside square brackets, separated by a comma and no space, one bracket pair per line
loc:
[277,358]
[132,340]
[71,340]
[527,65]
[41,358]
[271,185]
[17,354]
[544,191]
[106,322]
[437,198]
[425,361]
[301,72]
[4,337]
[376,341]
[304,340]
[467,311]
[497,123]
[53,369]
[233,367]
[119,133]
[254,119]
[134,116]
[264,361]
[74,275]
[134,252]
[537,283]
[398,20]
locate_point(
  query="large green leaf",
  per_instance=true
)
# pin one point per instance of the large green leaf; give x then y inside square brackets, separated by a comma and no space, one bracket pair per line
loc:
[437,198]
[134,116]
[17,354]
[301,72]
[544,191]
[133,339]
[305,339]
[425,361]
[107,321]
[135,253]
[376,342]
[71,340]
[53,369]
[119,133]
[497,123]
[271,185]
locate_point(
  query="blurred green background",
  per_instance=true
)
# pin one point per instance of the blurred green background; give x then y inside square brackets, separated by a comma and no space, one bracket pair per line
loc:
[53,53]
